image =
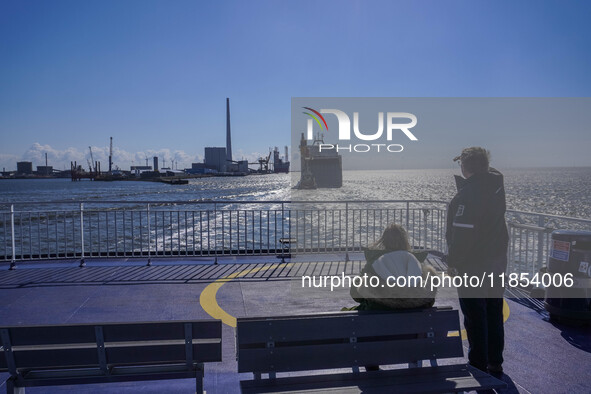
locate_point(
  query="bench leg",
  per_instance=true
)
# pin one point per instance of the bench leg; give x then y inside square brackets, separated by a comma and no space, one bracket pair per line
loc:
[12,388]
[199,379]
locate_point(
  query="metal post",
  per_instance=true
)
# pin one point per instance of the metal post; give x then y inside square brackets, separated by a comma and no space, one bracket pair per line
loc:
[149,239]
[541,235]
[282,220]
[282,235]
[82,263]
[407,214]
[215,228]
[426,213]
[347,231]
[13,261]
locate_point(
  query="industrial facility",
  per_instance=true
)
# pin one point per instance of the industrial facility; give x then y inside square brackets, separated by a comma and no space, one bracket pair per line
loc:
[218,161]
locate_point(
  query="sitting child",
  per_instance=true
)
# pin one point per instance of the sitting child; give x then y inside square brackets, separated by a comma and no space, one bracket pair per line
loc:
[390,257]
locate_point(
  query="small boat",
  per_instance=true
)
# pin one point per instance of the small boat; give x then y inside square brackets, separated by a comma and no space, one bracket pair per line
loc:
[174,181]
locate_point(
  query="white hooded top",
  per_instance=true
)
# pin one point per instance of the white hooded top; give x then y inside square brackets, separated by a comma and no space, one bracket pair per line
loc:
[398,263]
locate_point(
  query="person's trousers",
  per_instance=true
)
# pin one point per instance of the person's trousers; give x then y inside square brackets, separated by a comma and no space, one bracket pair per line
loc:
[483,320]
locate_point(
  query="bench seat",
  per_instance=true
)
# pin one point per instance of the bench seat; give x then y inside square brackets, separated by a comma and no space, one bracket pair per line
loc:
[307,344]
[441,379]
[55,355]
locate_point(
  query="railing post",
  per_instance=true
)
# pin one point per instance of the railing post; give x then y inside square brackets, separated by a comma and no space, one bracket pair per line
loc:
[289,227]
[282,233]
[346,231]
[13,261]
[407,215]
[282,220]
[426,213]
[511,248]
[215,230]
[82,263]
[541,235]
[149,239]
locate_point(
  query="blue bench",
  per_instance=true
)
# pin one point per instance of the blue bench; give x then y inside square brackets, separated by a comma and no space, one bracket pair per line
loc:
[328,341]
[56,355]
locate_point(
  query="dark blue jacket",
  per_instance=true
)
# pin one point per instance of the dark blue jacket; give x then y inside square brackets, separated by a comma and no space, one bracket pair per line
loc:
[477,237]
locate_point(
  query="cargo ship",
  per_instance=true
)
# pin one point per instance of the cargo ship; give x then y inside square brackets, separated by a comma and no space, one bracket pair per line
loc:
[320,169]
[280,165]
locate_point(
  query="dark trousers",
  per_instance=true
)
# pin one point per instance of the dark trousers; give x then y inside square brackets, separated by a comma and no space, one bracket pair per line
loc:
[483,320]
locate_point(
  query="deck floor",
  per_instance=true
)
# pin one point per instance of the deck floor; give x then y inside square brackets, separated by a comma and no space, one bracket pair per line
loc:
[540,356]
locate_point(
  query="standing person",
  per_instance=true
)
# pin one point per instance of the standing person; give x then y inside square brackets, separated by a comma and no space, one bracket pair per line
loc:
[477,240]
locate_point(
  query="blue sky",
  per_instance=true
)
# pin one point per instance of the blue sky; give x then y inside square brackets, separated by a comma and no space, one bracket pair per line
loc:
[155,74]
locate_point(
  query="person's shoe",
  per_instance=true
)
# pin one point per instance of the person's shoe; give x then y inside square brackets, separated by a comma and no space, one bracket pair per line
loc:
[372,367]
[495,369]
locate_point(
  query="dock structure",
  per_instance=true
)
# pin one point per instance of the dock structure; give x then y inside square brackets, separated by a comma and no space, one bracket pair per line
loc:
[77,173]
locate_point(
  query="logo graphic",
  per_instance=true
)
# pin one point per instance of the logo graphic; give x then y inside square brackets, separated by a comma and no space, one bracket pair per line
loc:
[315,118]
[395,121]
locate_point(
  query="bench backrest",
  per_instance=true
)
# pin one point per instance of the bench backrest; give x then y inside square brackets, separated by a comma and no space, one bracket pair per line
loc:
[346,339]
[87,345]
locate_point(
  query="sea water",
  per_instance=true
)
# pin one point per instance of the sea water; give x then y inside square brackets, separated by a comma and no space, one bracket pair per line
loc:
[557,191]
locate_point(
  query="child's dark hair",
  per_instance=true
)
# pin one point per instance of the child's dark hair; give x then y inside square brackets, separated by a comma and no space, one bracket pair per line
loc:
[393,238]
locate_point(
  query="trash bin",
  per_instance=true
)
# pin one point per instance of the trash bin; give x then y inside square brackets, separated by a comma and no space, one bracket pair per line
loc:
[570,253]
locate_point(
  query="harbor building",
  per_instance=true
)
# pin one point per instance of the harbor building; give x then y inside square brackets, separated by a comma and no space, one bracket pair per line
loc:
[138,170]
[44,170]
[24,167]
[215,159]
[198,168]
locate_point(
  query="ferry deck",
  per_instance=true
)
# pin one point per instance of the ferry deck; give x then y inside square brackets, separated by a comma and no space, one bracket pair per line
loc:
[540,356]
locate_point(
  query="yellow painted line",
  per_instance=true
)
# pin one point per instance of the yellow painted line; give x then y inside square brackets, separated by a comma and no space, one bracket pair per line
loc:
[209,303]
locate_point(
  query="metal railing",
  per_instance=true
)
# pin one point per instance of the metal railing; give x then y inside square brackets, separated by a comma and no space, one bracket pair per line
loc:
[80,230]
[184,228]
[530,236]
[326,226]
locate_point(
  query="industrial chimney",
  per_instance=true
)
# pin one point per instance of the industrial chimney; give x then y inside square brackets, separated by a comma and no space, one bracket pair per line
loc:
[228,133]
[111,155]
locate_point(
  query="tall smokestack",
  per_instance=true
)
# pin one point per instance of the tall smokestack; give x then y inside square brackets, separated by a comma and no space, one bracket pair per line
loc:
[110,155]
[228,133]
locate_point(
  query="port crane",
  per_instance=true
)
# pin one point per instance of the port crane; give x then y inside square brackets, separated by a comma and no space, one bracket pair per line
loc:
[263,163]
[92,160]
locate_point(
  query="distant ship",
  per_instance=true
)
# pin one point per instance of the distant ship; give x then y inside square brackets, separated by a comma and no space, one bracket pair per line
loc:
[320,169]
[280,165]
